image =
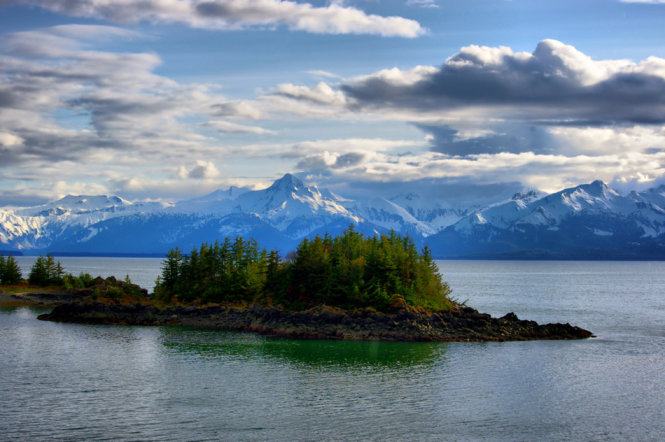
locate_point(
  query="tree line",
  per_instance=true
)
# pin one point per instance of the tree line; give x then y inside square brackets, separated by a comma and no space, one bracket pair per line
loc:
[347,271]
[45,271]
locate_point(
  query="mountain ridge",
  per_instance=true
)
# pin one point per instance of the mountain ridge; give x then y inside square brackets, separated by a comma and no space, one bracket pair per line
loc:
[587,221]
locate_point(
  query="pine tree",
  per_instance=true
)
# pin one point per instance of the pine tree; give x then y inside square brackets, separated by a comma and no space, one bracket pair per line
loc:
[11,271]
[171,270]
[2,270]
[39,274]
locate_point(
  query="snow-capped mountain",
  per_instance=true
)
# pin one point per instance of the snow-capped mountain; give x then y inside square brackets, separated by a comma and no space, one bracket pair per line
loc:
[292,207]
[388,215]
[286,211]
[288,205]
[37,227]
[434,213]
[210,203]
[587,221]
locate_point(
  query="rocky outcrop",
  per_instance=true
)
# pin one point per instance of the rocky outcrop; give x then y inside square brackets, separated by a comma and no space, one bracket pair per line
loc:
[461,324]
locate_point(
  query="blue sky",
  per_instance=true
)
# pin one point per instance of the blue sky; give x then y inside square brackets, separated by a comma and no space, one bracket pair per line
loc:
[172,98]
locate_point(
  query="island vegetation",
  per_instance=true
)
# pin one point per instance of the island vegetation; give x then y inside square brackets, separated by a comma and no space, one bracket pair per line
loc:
[349,271]
[345,287]
[48,284]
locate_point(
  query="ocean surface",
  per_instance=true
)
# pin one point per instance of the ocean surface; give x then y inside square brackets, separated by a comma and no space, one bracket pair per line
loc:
[65,381]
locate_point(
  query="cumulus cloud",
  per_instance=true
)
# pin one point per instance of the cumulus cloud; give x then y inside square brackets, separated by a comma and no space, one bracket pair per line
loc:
[523,101]
[202,170]
[237,14]
[555,83]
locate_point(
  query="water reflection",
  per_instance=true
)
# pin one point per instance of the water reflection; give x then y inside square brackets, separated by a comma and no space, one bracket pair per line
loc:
[309,353]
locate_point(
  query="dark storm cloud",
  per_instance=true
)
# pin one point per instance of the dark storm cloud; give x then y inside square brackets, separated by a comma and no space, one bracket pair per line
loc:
[556,83]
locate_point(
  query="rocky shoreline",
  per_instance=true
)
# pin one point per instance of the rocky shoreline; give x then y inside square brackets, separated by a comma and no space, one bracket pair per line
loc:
[36,298]
[462,324]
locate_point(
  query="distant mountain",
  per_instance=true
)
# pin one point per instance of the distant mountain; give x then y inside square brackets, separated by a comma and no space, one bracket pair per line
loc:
[210,203]
[434,213]
[590,221]
[39,226]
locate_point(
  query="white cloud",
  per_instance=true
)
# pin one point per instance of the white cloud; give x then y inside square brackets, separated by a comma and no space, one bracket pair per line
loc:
[10,140]
[202,170]
[230,127]
[427,4]
[556,83]
[322,74]
[545,172]
[238,14]
[116,99]
[555,99]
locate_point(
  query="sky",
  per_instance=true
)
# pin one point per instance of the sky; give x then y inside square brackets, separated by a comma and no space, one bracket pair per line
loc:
[169,99]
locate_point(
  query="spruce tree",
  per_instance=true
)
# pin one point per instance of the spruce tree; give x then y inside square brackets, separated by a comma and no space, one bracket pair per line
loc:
[2,270]
[11,271]
[39,272]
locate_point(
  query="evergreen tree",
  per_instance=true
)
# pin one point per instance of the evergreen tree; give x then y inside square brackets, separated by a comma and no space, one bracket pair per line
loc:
[2,269]
[39,274]
[349,271]
[11,272]
[171,270]
[46,271]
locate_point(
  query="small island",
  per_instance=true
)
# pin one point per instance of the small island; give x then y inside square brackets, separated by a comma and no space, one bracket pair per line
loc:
[344,287]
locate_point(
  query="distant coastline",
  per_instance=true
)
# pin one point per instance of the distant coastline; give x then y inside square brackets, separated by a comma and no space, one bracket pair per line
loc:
[503,257]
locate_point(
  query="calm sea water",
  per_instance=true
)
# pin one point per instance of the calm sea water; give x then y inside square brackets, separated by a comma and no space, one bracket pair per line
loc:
[68,381]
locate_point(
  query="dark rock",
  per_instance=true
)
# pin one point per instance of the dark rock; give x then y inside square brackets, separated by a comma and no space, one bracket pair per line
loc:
[323,322]
[512,317]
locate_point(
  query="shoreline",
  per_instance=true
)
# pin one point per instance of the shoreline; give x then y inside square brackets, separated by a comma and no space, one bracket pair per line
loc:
[463,324]
[35,297]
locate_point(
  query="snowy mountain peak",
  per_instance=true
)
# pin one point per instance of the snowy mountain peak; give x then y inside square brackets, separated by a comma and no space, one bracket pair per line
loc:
[598,189]
[287,183]
[76,204]
[90,201]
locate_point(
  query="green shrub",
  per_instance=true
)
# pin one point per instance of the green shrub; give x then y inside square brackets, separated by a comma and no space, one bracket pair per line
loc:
[114,292]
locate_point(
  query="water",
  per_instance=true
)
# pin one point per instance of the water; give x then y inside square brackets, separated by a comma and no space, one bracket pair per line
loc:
[95,382]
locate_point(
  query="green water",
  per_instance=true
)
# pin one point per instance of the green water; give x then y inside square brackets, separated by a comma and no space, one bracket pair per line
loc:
[74,382]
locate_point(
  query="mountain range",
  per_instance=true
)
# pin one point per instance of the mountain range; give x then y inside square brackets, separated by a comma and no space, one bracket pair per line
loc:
[590,221]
